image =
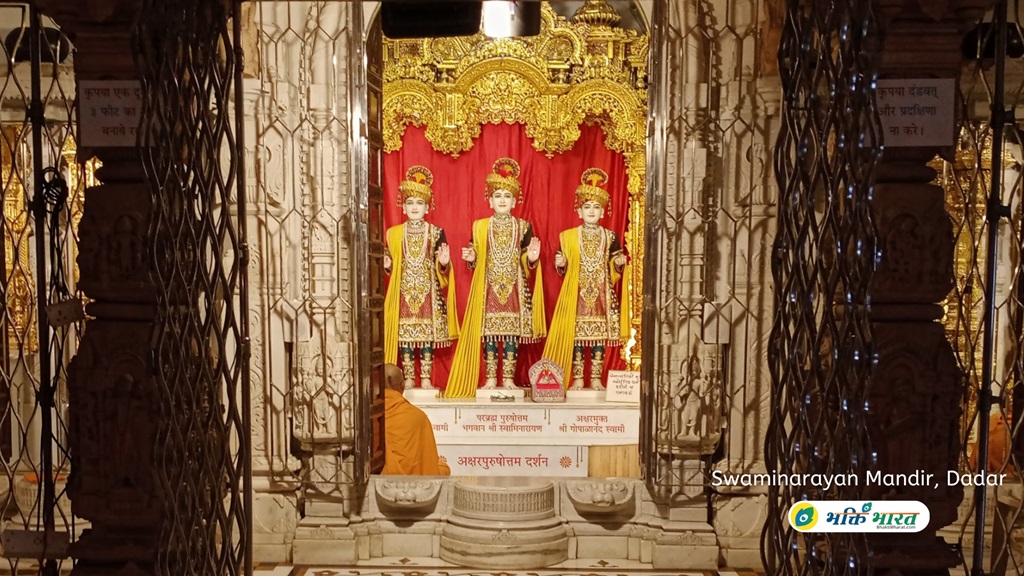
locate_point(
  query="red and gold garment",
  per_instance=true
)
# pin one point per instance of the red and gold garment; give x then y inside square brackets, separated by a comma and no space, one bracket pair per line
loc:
[588,309]
[491,311]
[416,311]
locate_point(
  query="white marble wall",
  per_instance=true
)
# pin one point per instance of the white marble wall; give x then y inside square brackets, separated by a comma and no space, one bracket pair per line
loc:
[720,120]
[300,222]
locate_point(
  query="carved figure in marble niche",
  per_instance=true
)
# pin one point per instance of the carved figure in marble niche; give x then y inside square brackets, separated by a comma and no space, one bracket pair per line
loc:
[587,315]
[502,307]
[418,317]
[687,400]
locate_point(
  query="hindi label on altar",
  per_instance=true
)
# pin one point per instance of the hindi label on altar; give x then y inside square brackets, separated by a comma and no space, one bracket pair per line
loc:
[623,386]
[916,112]
[478,460]
[540,425]
[109,112]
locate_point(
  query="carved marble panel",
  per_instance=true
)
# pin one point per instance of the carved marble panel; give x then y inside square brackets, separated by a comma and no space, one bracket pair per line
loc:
[112,429]
[714,216]
[601,497]
[300,225]
[113,256]
[408,495]
[321,379]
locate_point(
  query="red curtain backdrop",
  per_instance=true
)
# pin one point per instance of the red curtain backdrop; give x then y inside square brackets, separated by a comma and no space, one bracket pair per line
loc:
[549,188]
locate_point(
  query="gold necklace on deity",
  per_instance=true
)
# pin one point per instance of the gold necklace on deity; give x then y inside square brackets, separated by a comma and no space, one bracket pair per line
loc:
[502,250]
[592,263]
[416,280]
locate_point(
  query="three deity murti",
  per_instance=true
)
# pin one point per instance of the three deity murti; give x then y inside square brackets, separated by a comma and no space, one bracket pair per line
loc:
[505,307]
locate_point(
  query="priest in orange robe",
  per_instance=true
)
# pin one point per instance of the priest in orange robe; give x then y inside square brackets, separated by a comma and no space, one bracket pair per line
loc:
[408,435]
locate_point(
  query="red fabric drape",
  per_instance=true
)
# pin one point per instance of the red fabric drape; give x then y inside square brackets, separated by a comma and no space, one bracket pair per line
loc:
[549,188]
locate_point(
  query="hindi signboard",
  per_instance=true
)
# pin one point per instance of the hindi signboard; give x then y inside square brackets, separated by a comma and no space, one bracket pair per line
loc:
[109,112]
[522,460]
[548,425]
[916,112]
[623,386]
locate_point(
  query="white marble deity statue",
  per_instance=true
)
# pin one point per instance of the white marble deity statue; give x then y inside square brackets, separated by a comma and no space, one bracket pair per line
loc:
[591,260]
[503,307]
[418,316]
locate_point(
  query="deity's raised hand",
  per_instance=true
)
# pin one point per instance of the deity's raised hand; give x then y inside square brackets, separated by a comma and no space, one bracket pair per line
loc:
[533,251]
[444,255]
[619,260]
[387,262]
[469,255]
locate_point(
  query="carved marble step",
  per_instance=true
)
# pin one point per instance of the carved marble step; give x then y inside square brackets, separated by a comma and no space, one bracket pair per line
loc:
[504,523]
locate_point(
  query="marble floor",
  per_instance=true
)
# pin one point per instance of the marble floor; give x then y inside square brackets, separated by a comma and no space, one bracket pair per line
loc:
[431,567]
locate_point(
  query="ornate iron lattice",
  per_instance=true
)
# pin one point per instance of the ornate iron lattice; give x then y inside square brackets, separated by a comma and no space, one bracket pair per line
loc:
[190,136]
[821,351]
[37,147]
[969,181]
[307,88]
[709,215]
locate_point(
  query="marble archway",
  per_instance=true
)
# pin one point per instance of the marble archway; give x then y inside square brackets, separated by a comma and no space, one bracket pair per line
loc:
[708,206]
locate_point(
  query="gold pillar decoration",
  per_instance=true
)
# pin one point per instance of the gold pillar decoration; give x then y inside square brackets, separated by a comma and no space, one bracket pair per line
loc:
[586,71]
[17,242]
[962,320]
[80,176]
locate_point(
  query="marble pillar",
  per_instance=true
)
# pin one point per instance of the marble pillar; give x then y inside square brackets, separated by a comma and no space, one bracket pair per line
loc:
[916,377]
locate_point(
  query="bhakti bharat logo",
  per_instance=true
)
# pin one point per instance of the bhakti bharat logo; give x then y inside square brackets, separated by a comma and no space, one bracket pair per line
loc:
[859,516]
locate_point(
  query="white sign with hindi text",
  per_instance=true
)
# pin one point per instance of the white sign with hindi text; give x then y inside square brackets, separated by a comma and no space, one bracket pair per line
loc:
[534,424]
[109,112]
[483,460]
[623,386]
[916,112]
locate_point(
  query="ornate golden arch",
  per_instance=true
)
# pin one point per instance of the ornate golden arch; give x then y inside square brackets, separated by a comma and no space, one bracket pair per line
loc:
[583,71]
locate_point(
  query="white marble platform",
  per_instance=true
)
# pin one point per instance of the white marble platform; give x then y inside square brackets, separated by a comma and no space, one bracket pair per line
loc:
[527,439]
[501,395]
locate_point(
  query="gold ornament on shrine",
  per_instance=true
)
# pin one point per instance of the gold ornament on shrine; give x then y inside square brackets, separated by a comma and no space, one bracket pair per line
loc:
[591,188]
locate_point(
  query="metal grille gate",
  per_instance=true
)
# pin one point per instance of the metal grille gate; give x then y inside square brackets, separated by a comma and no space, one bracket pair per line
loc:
[820,351]
[189,58]
[41,188]
[985,311]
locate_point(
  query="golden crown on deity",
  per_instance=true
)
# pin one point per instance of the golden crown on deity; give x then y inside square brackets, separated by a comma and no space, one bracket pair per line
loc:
[590,189]
[504,176]
[417,185]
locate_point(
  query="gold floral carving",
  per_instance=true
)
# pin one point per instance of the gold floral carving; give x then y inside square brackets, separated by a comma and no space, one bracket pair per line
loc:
[965,203]
[583,72]
[17,240]
[17,280]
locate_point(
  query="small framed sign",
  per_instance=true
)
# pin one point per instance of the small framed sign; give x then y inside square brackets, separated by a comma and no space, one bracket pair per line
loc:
[623,386]
[546,382]
[108,112]
[917,111]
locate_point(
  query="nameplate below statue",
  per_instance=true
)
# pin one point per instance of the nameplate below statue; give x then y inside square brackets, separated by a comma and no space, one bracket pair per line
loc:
[481,460]
[501,395]
[535,424]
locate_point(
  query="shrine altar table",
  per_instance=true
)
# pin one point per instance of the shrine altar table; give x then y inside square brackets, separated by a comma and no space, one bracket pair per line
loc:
[532,439]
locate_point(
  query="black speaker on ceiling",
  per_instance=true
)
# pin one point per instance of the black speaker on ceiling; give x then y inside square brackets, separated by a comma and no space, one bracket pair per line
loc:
[429,19]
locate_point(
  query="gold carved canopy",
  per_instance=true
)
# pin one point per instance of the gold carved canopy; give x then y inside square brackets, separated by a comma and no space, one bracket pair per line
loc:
[583,71]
